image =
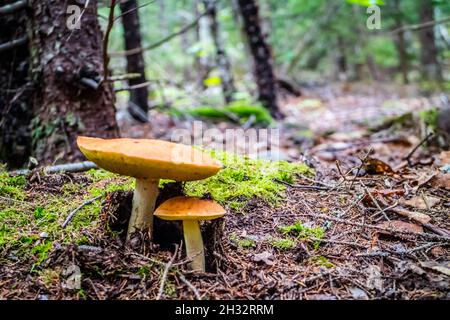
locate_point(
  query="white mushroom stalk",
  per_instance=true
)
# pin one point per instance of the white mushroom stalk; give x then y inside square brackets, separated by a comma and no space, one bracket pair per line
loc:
[144,200]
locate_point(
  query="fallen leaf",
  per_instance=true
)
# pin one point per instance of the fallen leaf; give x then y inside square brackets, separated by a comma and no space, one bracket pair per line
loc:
[442,267]
[445,157]
[73,281]
[376,166]
[358,293]
[420,202]
[442,180]
[397,225]
[374,280]
[416,216]
[424,178]
[265,257]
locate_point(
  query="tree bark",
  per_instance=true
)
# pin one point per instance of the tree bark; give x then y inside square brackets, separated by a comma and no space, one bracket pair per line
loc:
[135,62]
[222,61]
[429,53]
[262,57]
[15,91]
[68,70]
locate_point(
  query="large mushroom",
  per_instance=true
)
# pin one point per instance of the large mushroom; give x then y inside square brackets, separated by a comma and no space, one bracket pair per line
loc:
[148,161]
[191,210]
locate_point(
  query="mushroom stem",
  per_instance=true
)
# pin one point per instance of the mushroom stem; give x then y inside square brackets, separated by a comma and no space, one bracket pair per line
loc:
[194,244]
[144,198]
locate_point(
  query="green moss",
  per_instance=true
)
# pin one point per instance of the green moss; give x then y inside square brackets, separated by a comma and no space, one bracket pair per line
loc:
[12,187]
[430,117]
[282,243]
[244,179]
[242,243]
[321,261]
[302,232]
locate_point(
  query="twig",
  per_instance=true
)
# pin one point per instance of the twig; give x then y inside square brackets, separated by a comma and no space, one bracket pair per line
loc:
[166,271]
[13,43]
[106,39]
[68,167]
[134,9]
[190,285]
[360,167]
[136,86]
[419,26]
[72,214]
[409,155]
[160,42]
[13,7]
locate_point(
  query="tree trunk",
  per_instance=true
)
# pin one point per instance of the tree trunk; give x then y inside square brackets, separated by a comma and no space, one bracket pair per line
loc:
[138,107]
[15,91]
[429,52]
[68,68]
[262,57]
[400,42]
[222,61]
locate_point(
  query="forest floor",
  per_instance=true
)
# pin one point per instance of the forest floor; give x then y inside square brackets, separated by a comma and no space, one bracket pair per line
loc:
[370,222]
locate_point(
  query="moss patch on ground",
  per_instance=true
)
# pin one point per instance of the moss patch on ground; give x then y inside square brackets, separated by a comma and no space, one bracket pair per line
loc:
[243,179]
[32,212]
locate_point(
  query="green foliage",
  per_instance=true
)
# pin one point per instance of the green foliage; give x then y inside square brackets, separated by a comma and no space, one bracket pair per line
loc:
[243,243]
[322,261]
[366,3]
[241,109]
[243,179]
[430,117]
[282,243]
[302,232]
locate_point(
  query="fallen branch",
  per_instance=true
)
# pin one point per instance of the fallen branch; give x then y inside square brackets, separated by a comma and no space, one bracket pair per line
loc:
[126,76]
[13,44]
[190,285]
[166,271]
[409,155]
[160,42]
[13,7]
[419,26]
[106,39]
[81,206]
[68,167]
[136,86]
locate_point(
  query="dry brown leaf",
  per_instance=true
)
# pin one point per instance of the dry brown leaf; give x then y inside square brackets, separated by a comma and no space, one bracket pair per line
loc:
[444,157]
[442,180]
[376,166]
[442,267]
[416,216]
[397,225]
[424,178]
[420,202]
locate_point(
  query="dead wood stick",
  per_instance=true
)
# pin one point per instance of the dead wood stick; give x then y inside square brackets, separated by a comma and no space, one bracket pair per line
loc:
[106,39]
[389,230]
[160,42]
[13,44]
[165,273]
[68,167]
[72,214]
[13,7]
[190,285]
[413,150]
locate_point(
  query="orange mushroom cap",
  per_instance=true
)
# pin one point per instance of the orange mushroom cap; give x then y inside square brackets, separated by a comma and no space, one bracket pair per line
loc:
[149,159]
[189,208]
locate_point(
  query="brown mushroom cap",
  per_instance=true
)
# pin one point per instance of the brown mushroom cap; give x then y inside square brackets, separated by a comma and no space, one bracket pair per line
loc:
[149,159]
[189,208]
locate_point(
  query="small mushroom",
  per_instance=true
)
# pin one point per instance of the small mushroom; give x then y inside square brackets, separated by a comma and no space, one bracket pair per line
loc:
[148,161]
[191,210]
